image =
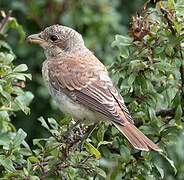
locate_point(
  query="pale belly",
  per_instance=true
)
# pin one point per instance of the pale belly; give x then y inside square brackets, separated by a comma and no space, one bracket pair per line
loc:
[77,111]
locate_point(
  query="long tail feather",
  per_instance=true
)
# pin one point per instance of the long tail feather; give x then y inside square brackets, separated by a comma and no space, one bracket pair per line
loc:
[136,137]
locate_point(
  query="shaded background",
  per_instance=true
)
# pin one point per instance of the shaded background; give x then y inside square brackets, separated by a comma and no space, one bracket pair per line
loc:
[97,20]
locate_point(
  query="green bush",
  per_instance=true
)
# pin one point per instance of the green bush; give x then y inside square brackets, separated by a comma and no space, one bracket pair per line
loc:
[13,147]
[149,73]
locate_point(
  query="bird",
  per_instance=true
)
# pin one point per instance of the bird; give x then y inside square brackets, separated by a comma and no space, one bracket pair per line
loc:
[81,86]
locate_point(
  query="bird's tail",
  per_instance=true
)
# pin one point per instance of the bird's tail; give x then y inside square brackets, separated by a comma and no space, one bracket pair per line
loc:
[136,137]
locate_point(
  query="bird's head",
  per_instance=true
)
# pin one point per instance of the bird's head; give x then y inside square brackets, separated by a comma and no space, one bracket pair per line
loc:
[58,40]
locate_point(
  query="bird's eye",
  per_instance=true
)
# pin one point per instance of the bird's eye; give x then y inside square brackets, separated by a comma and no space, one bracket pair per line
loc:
[54,38]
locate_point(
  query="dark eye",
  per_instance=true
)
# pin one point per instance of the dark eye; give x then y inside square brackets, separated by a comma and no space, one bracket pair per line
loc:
[54,38]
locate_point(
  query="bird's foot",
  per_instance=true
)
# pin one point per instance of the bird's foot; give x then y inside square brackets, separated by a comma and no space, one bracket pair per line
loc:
[67,135]
[83,138]
[68,132]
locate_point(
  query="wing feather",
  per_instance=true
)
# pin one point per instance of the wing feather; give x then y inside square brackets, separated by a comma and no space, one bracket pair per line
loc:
[85,86]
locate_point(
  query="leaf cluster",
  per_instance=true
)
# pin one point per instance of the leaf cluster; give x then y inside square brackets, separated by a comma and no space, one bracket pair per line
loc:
[12,99]
[149,74]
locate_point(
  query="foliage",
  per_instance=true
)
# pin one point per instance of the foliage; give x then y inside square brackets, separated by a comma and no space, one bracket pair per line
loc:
[12,98]
[149,73]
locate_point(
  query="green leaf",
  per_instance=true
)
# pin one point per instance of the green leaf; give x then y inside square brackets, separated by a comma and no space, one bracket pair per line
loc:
[43,123]
[20,68]
[114,131]
[53,123]
[5,140]
[20,136]
[100,172]
[6,95]
[143,81]
[169,130]
[93,150]
[152,114]
[25,152]
[25,171]
[178,115]
[162,66]
[23,101]
[123,40]
[18,76]
[37,142]
[100,133]
[7,163]
[169,50]
[34,178]
[122,43]
[11,175]
[158,50]
[8,49]
[29,76]
[26,145]
[104,143]
[160,170]
[171,4]
[33,159]
[9,58]
[29,165]
[22,106]
[172,164]
[131,79]
[65,120]
[177,100]
[17,90]
[125,153]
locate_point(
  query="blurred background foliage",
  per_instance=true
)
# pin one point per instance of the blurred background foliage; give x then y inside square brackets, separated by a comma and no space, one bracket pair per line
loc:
[145,64]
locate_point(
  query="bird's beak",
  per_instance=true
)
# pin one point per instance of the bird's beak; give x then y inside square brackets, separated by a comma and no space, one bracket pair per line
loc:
[35,38]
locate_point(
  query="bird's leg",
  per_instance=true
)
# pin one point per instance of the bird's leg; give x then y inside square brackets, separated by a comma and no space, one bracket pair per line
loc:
[83,139]
[67,135]
[71,128]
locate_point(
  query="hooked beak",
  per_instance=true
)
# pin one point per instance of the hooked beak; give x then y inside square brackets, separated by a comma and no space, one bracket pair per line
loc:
[35,38]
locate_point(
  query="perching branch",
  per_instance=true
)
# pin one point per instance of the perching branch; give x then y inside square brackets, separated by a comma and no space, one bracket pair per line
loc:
[160,112]
[66,149]
[166,112]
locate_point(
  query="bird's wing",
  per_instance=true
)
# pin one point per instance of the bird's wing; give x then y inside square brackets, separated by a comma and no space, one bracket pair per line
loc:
[86,81]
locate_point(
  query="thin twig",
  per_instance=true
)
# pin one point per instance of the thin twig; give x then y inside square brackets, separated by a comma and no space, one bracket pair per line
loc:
[182,67]
[161,112]
[5,19]
[166,112]
[167,16]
